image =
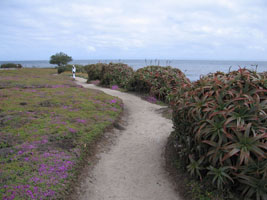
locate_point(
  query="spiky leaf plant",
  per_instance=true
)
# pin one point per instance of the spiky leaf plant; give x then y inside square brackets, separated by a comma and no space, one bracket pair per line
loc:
[158,81]
[116,74]
[94,71]
[222,117]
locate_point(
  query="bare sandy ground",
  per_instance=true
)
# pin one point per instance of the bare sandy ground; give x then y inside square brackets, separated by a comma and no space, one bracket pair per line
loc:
[133,168]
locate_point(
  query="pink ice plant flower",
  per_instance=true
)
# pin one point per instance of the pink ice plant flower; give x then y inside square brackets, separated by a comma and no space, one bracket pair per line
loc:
[81,121]
[72,130]
[115,87]
[113,101]
[152,99]
[60,86]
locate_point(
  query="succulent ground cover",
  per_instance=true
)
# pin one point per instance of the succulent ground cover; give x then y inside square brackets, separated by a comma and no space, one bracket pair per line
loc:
[46,125]
[221,134]
[158,81]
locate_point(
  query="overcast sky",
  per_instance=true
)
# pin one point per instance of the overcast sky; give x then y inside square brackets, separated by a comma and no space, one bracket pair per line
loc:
[121,29]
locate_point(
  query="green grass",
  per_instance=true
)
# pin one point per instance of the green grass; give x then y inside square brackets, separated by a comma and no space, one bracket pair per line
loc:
[46,125]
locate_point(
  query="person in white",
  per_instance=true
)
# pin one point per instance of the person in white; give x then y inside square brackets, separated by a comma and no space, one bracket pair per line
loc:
[73,71]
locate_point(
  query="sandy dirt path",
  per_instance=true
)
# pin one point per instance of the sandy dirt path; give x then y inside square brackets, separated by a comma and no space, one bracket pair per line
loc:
[133,168]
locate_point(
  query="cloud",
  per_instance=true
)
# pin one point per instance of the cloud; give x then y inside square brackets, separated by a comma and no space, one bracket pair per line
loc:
[189,29]
[90,48]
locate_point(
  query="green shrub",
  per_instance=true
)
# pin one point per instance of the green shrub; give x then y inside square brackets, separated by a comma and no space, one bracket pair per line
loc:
[116,74]
[94,71]
[68,68]
[158,81]
[220,131]
[62,69]
[81,69]
[11,65]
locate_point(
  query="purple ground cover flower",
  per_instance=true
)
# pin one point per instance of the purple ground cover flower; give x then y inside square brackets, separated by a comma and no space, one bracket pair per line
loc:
[151,99]
[20,152]
[72,130]
[115,87]
[60,86]
[114,109]
[81,121]
[113,101]
[96,82]
[27,192]
[27,146]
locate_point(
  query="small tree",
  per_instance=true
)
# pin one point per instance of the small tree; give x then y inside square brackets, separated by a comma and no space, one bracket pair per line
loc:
[60,59]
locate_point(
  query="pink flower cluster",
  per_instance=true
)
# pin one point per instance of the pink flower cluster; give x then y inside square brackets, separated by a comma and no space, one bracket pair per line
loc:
[113,101]
[82,121]
[115,87]
[151,99]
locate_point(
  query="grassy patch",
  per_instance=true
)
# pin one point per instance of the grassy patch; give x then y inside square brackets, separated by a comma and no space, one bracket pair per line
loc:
[46,124]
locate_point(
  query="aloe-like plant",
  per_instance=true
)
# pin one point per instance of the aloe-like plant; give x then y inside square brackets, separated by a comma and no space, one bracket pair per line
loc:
[253,187]
[220,176]
[116,74]
[95,71]
[158,81]
[195,167]
[222,117]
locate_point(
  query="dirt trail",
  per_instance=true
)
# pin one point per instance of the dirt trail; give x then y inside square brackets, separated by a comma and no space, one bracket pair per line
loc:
[133,169]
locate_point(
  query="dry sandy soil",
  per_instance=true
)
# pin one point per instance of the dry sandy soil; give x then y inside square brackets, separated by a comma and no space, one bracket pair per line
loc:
[133,168]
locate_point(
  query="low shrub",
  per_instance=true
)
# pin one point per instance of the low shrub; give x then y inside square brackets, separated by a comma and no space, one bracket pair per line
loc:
[68,68]
[158,81]
[62,69]
[116,74]
[220,131]
[94,71]
[11,65]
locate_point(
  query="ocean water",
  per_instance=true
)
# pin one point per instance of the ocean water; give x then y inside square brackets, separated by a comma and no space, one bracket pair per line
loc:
[193,69]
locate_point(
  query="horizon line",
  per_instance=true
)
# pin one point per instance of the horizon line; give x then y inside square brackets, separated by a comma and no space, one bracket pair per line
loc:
[148,59]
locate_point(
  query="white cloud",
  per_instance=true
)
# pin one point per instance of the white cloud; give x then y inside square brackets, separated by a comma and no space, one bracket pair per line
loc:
[184,27]
[90,48]
[258,48]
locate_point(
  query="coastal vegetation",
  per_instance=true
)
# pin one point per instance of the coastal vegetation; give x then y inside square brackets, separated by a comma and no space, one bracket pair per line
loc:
[158,81]
[60,59]
[11,65]
[95,71]
[116,74]
[219,136]
[220,132]
[68,68]
[47,123]
[112,74]
[219,126]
